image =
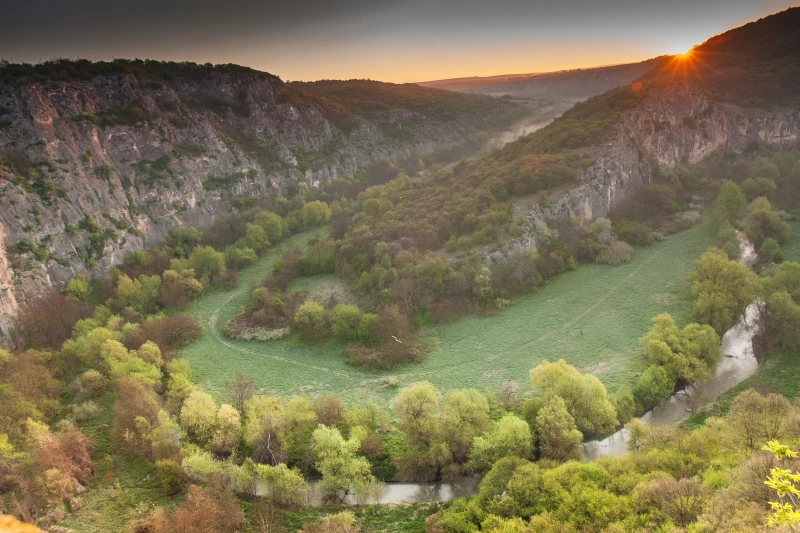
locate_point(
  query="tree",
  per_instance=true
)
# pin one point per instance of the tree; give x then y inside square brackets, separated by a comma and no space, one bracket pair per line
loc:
[464,416]
[731,203]
[584,395]
[681,501]
[343,473]
[756,418]
[48,320]
[133,404]
[285,487]
[482,285]
[345,320]
[417,407]
[763,222]
[241,389]
[786,511]
[653,387]
[207,263]
[558,437]
[273,225]
[625,403]
[687,355]
[228,430]
[342,522]
[755,187]
[509,436]
[203,511]
[309,321]
[723,288]
[199,416]
[315,214]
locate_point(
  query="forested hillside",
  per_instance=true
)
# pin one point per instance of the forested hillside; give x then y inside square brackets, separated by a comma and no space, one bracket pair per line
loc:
[98,160]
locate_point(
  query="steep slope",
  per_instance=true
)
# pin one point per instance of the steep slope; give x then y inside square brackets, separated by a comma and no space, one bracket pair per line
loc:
[598,154]
[568,85]
[101,159]
[734,90]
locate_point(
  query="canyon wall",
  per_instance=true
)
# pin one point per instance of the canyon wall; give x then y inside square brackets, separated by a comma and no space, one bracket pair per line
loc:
[92,170]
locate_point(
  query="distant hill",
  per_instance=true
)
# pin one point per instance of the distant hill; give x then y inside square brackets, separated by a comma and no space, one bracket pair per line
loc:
[566,85]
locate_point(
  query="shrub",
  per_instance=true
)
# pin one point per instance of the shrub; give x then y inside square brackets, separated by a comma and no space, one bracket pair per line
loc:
[85,411]
[615,253]
[171,475]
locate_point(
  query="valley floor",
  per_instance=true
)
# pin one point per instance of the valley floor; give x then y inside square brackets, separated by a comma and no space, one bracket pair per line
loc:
[592,317]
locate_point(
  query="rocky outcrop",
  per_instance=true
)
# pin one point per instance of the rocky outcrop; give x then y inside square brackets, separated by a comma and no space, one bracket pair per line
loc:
[93,170]
[676,125]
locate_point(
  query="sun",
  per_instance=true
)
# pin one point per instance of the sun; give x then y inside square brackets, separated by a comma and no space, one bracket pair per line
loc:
[685,55]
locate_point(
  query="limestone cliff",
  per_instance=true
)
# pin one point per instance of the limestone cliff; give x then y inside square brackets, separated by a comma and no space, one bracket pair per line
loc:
[674,125]
[94,169]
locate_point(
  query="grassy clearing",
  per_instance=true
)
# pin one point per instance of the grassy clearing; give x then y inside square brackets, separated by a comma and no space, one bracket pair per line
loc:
[122,488]
[592,317]
[371,518]
[791,251]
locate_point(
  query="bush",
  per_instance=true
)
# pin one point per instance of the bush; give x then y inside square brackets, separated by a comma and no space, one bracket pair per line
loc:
[168,332]
[85,411]
[615,253]
[634,232]
[171,475]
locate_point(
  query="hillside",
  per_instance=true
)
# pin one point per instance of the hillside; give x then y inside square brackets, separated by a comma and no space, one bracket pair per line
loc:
[98,160]
[600,153]
[568,85]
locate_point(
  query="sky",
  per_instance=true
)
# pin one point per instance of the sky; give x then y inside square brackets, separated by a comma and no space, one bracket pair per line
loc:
[388,40]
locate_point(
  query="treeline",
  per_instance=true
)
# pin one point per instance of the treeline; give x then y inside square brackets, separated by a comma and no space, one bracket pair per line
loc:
[84,69]
[712,479]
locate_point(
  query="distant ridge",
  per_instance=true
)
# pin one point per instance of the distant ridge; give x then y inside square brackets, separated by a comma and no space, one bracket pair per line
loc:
[564,85]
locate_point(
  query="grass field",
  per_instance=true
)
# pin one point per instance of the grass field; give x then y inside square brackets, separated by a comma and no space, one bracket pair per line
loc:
[592,317]
[791,250]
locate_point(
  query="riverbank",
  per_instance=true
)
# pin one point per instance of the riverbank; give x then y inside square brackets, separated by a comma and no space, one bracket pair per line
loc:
[739,363]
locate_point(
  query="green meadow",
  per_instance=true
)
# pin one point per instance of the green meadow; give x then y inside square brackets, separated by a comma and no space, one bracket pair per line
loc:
[592,317]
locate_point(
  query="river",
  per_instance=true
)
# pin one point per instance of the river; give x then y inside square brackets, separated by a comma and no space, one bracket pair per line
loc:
[738,363]
[409,492]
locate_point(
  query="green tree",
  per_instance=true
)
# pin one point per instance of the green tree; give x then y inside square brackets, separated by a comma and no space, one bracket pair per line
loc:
[207,263]
[345,320]
[426,454]
[228,430]
[653,387]
[558,437]
[315,214]
[273,225]
[731,203]
[309,321]
[584,395]
[285,487]
[343,472]
[723,288]
[688,355]
[625,403]
[464,416]
[509,436]
[199,416]
[763,222]
[755,187]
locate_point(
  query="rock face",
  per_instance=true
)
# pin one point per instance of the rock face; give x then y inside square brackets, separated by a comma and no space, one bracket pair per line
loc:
[93,170]
[676,125]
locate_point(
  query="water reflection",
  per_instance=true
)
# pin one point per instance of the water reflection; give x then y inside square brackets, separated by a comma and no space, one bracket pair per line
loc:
[409,492]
